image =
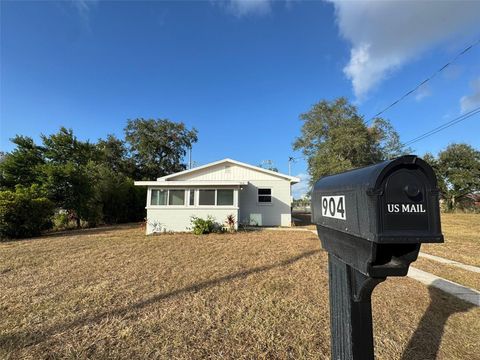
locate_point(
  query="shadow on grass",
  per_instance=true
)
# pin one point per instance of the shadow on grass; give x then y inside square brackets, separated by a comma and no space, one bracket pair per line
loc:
[426,340]
[28,338]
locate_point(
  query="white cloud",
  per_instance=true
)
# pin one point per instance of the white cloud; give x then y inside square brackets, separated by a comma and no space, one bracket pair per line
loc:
[84,7]
[241,8]
[302,188]
[385,35]
[452,72]
[423,92]
[470,102]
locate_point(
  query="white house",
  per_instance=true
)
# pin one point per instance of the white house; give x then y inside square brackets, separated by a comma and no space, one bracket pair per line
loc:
[255,196]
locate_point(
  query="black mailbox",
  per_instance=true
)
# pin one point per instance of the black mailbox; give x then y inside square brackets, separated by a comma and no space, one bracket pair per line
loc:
[375,218]
[372,222]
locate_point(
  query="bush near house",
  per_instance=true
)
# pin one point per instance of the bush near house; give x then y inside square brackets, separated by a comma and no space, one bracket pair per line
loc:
[24,212]
[204,226]
[209,225]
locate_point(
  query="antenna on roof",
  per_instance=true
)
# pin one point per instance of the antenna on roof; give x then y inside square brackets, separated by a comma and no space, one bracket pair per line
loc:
[267,163]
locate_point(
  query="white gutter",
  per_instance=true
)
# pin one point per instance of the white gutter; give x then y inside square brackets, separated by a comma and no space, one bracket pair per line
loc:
[191,183]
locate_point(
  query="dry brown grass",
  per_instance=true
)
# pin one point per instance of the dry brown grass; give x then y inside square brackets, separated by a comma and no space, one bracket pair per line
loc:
[120,294]
[461,231]
[462,239]
[449,272]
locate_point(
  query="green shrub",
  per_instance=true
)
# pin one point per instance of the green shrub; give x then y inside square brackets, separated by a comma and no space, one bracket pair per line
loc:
[204,226]
[61,221]
[64,220]
[24,212]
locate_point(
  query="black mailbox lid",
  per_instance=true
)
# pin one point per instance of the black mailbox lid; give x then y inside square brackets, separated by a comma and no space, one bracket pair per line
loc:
[372,191]
[371,176]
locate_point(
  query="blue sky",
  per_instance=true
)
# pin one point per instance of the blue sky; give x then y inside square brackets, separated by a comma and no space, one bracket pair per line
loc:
[239,71]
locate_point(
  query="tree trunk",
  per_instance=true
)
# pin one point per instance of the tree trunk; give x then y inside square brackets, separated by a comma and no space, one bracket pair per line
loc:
[450,203]
[78,222]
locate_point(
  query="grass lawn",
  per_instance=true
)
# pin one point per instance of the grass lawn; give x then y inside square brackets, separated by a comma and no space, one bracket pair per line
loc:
[462,243]
[462,239]
[119,294]
[461,231]
[449,272]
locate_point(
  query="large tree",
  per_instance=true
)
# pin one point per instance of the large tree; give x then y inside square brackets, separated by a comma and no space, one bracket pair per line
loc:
[158,146]
[458,172]
[69,175]
[64,147]
[113,153]
[120,200]
[21,166]
[335,138]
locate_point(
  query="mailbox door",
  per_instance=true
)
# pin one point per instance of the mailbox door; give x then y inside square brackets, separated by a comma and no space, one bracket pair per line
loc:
[409,207]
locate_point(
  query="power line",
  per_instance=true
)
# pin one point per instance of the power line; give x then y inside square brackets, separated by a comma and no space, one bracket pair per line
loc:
[434,131]
[443,126]
[468,48]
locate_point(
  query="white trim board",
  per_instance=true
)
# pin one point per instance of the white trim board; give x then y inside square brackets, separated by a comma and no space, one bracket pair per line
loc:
[189,183]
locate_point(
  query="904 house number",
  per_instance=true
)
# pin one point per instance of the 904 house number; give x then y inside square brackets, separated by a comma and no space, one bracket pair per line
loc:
[334,207]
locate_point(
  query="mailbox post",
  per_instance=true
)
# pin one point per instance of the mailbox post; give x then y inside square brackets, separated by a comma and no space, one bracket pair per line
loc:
[371,221]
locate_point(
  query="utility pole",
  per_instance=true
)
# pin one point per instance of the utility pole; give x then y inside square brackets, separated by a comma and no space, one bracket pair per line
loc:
[290,159]
[190,158]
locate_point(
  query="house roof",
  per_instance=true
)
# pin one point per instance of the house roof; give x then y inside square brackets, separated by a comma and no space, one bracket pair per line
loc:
[191,183]
[292,179]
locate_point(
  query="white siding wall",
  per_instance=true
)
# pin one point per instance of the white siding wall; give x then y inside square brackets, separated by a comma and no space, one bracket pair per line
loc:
[275,214]
[179,219]
[226,172]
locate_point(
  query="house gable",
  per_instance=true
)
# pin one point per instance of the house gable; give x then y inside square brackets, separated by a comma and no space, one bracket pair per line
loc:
[228,170]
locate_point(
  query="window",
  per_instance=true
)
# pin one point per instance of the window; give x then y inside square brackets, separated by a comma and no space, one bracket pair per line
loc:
[176,197]
[162,197]
[192,197]
[186,197]
[159,197]
[206,197]
[265,196]
[225,197]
